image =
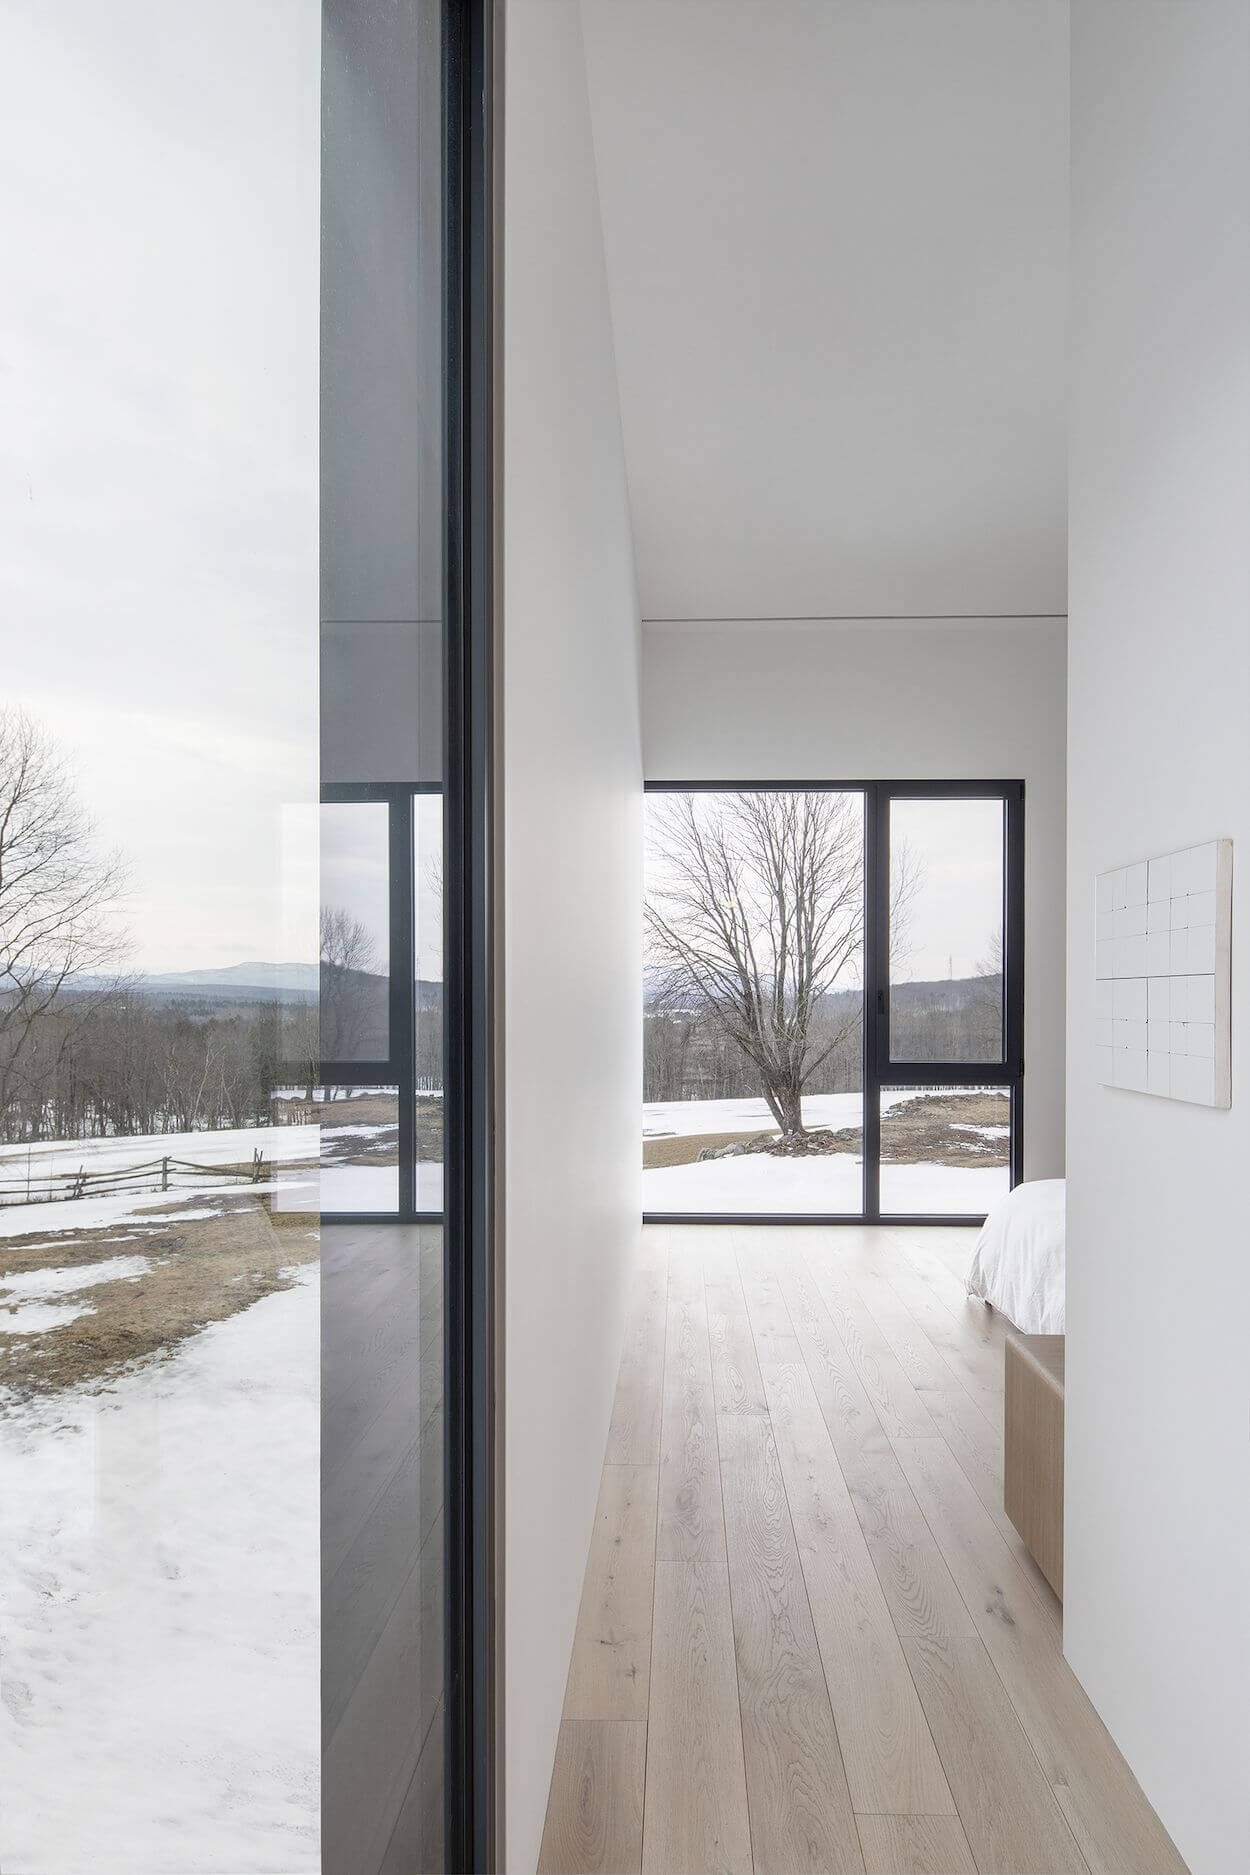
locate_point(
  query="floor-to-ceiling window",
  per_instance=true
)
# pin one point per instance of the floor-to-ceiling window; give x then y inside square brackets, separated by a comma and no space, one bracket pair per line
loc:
[159,1366]
[832,999]
[245,1352]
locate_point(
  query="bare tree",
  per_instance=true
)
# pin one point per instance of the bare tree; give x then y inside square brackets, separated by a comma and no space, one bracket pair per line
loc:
[986,1013]
[300,1043]
[59,898]
[347,959]
[755,912]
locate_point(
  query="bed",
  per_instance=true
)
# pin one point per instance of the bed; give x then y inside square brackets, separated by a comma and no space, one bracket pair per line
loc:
[1018,1268]
[1018,1263]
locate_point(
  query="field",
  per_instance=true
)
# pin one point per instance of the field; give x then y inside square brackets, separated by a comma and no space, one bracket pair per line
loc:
[360,1152]
[942,1151]
[159,1519]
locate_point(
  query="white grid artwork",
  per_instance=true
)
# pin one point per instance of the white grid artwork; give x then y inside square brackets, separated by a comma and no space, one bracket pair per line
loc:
[1163,966]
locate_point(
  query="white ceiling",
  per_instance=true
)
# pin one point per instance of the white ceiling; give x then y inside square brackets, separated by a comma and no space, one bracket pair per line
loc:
[836,237]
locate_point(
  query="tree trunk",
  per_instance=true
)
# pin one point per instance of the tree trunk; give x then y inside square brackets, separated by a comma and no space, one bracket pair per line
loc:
[790,1102]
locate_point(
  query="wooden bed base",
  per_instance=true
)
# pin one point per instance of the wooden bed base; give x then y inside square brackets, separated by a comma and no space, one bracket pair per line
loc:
[1033,1447]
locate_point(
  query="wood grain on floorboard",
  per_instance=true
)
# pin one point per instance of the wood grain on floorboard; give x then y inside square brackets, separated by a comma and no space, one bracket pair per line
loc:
[594,1815]
[915,1845]
[851,1654]
[801,1814]
[610,1672]
[697,1821]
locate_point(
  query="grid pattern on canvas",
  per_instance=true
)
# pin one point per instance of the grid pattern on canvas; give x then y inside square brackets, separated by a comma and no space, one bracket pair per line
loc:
[1161,926]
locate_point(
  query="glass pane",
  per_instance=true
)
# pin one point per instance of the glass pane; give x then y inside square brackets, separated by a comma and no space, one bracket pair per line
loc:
[944,1149]
[427,875]
[946,930]
[355,931]
[359,1148]
[159,1334]
[753,1002]
[382,524]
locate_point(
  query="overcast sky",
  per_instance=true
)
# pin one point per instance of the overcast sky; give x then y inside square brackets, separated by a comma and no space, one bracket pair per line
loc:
[158,475]
[355,874]
[158,456]
[957,910]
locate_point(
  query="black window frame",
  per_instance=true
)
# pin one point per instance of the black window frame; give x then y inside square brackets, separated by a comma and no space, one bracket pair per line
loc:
[469,54]
[468,784]
[879,1071]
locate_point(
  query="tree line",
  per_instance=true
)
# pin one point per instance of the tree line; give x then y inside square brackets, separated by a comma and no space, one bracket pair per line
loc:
[689,1055]
[119,1062]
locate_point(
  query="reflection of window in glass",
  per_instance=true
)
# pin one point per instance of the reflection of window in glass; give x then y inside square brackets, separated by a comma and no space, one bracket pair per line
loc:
[944,1150]
[359,1149]
[753,1002]
[946,930]
[355,931]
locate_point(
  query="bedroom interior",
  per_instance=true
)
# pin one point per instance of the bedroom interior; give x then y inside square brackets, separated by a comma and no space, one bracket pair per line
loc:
[876,378]
[624,811]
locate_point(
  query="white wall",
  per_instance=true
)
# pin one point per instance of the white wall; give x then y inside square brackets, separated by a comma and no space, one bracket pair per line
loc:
[825,700]
[573,894]
[1157,1617]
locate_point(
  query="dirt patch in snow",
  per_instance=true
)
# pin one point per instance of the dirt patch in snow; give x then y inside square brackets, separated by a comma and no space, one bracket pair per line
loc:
[365,1130]
[201,1270]
[685,1148]
[962,1129]
[948,1129]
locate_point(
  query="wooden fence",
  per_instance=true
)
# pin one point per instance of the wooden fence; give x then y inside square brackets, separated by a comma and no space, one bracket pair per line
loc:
[163,1174]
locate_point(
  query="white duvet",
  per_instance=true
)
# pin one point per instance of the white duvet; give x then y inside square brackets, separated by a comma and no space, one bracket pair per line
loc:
[1018,1264]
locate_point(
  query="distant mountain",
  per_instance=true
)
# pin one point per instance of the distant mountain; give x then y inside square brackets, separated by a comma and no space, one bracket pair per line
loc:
[217,992]
[302,979]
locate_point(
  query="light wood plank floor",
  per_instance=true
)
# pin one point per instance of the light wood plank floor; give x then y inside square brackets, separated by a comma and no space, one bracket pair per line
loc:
[382,1492]
[810,1639]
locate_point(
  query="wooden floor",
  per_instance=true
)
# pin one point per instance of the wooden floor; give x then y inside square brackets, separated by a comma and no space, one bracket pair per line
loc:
[809,1637]
[382,1492]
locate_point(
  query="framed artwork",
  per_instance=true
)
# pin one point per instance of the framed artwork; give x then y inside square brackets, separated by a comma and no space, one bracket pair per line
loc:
[1163,968]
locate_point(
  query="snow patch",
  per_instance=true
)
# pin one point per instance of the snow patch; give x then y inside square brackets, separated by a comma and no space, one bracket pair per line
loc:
[159,1610]
[36,1318]
[68,1281]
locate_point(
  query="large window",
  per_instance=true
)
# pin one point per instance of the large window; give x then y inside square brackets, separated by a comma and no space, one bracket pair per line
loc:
[833,1000]
[246,1462]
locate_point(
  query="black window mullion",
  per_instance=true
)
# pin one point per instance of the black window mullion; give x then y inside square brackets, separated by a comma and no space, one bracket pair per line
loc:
[951,1073]
[403,1025]
[1013,933]
[876,990]
[468,935]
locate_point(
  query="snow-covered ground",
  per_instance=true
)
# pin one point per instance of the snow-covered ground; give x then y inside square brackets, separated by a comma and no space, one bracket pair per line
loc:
[159,1615]
[287,1145]
[660,1117]
[351,1182]
[229,1146]
[159,1567]
[830,1183]
[376,1187]
[26,1305]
